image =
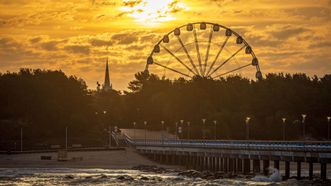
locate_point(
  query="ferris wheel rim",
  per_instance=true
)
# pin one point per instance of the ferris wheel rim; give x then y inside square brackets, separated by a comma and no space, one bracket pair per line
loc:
[244,42]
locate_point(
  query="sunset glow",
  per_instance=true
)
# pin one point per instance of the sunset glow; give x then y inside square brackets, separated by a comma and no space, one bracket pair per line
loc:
[288,36]
[151,12]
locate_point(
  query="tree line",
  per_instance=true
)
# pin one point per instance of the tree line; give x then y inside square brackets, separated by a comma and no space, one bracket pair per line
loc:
[44,102]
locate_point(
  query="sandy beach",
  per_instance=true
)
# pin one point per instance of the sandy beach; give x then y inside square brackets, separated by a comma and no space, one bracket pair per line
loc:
[120,159]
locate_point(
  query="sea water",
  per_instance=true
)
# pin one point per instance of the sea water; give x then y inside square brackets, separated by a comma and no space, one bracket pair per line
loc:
[70,176]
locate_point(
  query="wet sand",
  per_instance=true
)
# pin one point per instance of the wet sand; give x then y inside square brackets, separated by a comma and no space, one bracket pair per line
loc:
[122,159]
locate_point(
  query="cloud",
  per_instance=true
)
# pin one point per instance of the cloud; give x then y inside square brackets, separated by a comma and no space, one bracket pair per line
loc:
[321,44]
[287,32]
[124,38]
[35,39]
[79,49]
[99,42]
[50,45]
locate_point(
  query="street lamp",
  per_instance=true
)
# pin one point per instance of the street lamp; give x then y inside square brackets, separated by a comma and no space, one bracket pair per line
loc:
[176,130]
[134,130]
[247,127]
[329,119]
[66,138]
[304,125]
[181,125]
[109,129]
[215,131]
[145,123]
[162,130]
[21,139]
[110,133]
[203,128]
[284,125]
[162,124]
[188,129]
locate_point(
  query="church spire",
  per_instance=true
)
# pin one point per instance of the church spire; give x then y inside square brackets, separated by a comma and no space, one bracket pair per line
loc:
[106,84]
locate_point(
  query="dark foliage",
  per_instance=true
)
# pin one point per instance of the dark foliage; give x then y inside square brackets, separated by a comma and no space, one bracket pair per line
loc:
[230,101]
[44,103]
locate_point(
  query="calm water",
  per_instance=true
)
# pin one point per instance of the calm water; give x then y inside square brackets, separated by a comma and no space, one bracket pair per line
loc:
[61,176]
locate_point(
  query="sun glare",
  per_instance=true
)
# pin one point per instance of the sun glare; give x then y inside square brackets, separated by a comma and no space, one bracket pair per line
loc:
[152,12]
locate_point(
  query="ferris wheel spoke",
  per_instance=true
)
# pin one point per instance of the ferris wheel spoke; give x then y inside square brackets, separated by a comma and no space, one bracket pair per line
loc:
[217,55]
[163,66]
[207,53]
[227,60]
[179,60]
[244,66]
[196,42]
[188,55]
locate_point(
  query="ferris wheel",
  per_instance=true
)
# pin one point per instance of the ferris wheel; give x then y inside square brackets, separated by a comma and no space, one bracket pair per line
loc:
[205,50]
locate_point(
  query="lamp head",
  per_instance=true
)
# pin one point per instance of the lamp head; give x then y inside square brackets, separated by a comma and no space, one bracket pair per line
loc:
[247,120]
[284,120]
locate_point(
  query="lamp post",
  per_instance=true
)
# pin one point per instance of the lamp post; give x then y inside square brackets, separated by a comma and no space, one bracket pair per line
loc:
[162,124]
[145,123]
[21,139]
[109,136]
[176,130]
[66,138]
[134,130]
[162,130]
[109,129]
[181,125]
[284,125]
[203,128]
[247,127]
[304,125]
[215,131]
[188,129]
[329,119]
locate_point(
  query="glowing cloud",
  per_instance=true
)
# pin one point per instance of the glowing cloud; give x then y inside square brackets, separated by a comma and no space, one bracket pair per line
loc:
[151,12]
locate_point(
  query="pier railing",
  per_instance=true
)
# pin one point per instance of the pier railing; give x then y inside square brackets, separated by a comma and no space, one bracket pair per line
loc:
[293,146]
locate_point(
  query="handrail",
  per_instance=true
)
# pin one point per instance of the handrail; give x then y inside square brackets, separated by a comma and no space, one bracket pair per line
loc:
[311,146]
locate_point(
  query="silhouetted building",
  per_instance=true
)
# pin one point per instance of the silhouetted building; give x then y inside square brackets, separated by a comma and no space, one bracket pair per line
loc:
[107,85]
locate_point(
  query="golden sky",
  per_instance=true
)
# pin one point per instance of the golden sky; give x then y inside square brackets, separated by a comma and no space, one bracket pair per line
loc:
[78,35]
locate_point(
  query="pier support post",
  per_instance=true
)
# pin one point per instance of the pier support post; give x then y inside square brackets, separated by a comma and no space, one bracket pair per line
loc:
[231,165]
[235,165]
[256,166]
[287,169]
[221,164]
[323,171]
[173,159]
[225,164]
[311,169]
[202,163]
[205,162]
[208,162]
[276,164]
[247,166]
[298,170]
[266,164]
[239,165]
